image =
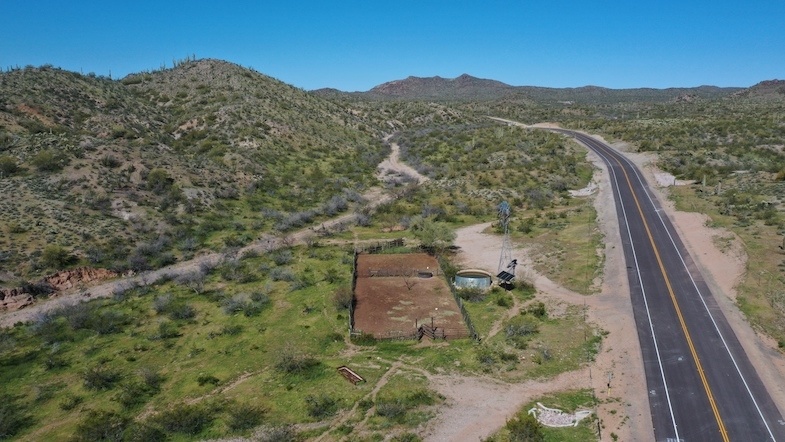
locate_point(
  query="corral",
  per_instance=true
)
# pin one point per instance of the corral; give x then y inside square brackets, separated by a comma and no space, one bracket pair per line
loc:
[404,296]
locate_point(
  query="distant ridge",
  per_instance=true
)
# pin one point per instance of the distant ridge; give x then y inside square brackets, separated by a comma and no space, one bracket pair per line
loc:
[464,87]
[468,88]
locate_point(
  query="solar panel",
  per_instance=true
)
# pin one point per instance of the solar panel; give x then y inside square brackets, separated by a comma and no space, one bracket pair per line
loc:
[505,276]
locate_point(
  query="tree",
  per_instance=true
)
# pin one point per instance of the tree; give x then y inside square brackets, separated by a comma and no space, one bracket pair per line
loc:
[431,234]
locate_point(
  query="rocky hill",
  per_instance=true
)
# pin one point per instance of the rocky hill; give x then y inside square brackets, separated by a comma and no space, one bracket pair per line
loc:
[139,172]
[769,89]
[466,88]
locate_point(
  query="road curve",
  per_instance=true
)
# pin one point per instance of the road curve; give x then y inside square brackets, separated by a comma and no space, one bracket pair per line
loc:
[702,386]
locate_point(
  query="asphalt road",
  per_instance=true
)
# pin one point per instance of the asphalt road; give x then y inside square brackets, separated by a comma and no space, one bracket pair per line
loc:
[701,384]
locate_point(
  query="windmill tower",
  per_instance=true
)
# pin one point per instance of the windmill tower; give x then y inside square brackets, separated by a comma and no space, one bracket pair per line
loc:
[506,262]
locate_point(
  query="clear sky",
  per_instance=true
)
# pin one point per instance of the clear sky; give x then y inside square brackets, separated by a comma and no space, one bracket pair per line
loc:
[356,44]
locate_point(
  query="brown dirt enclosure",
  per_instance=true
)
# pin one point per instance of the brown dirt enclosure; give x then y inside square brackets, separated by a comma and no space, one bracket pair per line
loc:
[396,293]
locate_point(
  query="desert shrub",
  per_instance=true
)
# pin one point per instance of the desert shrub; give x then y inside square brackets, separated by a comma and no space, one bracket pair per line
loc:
[158,181]
[109,322]
[8,166]
[54,360]
[132,394]
[342,298]
[188,419]
[101,426]
[110,161]
[522,325]
[282,274]
[320,406]
[303,280]
[472,294]
[285,433]
[525,428]
[151,378]
[237,240]
[504,301]
[70,401]
[161,303]
[332,275]
[48,161]
[235,304]
[232,330]
[235,270]
[193,280]
[13,416]
[56,257]
[537,309]
[100,377]
[291,360]
[283,257]
[144,432]
[78,315]
[175,309]
[204,379]
[167,330]
[51,328]
[243,416]
[394,410]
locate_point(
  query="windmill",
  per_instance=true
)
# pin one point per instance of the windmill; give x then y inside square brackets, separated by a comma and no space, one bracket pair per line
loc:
[506,262]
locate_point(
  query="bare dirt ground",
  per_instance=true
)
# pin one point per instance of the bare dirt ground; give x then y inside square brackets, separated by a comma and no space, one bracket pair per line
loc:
[392,299]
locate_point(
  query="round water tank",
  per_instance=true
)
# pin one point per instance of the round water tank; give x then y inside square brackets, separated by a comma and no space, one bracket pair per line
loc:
[473,279]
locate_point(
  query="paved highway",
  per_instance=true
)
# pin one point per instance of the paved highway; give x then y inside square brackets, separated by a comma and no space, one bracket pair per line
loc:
[701,384]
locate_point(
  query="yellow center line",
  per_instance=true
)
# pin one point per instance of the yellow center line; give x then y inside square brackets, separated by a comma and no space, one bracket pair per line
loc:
[702,375]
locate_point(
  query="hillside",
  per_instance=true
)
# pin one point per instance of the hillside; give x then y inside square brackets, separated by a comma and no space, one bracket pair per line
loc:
[466,88]
[136,173]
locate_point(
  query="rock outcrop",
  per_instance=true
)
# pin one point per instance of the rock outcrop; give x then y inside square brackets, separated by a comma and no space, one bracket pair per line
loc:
[12,299]
[68,279]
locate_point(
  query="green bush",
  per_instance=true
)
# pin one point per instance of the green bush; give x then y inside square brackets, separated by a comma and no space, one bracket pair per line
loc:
[100,377]
[472,294]
[56,257]
[13,416]
[8,166]
[522,325]
[204,379]
[101,426]
[321,406]
[188,419]
[394,410]
[243,416]
[48,161]
[290,360]
[537,309]
[525,428]
[342,298]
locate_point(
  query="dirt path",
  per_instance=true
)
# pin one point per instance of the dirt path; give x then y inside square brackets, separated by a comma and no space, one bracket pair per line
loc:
[392,166]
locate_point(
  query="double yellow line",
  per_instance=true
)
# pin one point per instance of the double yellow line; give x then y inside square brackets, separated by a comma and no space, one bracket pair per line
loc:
[698,364]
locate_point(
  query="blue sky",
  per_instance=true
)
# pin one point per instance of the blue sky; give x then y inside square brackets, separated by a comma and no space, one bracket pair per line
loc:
[355,45]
